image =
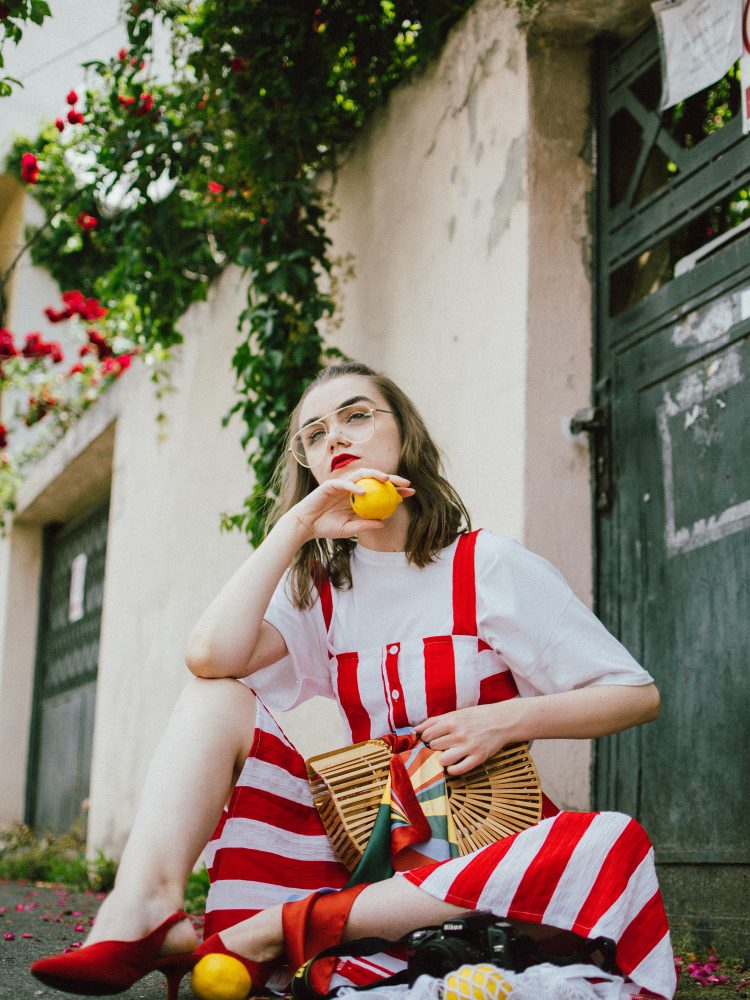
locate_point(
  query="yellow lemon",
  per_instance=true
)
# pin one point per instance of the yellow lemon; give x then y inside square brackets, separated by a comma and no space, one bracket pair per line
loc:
[221,977]
[476,982]
[378,502]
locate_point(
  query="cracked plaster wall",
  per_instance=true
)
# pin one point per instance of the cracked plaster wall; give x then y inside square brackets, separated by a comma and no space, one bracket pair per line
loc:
[432,205]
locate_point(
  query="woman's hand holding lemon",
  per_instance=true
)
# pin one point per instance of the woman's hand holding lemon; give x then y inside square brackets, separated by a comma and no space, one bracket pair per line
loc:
[328,511]
[375,500]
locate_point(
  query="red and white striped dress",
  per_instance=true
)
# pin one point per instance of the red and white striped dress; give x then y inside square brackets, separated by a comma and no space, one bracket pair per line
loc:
[592,873]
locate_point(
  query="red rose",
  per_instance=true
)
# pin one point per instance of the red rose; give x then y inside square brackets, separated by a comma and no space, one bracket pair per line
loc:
[3,436]
[7,347]
[100,345]
[91,309]
[55,352]
[86,222]
[122,55]
[75,117]
[125,102]
[215,188]
[29,168]
[146,104]
[73,299]
[34,346]
[116,365]
[59,124]
[76,368]
[72,97]
[57,317]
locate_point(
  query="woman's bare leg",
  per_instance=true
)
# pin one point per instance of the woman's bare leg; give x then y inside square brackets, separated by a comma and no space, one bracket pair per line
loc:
[191,775]
[386,909]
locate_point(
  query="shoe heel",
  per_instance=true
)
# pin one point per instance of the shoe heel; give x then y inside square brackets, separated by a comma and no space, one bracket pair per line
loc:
[174,969]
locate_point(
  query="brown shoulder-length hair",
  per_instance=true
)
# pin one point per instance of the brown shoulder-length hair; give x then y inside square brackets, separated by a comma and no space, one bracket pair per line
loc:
[436,512]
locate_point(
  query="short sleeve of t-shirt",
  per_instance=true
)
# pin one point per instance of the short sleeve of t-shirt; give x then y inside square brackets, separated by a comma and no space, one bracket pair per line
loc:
[303,672]
[550,640]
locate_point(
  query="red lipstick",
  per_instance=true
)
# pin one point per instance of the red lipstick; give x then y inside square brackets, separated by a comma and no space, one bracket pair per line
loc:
[338,460]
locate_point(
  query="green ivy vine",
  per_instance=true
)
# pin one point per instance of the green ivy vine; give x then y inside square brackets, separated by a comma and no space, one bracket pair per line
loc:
[150,189]
[14,16]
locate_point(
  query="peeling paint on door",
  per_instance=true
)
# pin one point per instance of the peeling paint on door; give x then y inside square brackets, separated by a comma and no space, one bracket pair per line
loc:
[713,323]
[702,446]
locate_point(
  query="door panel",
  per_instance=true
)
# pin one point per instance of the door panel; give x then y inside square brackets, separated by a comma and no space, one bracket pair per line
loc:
[67,664]
[687,526]
[673,544]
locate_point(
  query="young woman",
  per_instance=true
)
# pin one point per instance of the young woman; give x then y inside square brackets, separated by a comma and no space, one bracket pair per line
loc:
[413,621]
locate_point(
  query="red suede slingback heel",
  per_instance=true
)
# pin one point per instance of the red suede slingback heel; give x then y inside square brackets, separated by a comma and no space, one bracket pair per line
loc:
[109,967]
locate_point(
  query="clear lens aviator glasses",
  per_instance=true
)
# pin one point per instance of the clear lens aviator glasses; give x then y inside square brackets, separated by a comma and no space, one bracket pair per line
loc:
[355,423]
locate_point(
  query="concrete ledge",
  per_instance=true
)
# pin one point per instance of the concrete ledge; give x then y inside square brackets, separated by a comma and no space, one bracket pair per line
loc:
[77,472]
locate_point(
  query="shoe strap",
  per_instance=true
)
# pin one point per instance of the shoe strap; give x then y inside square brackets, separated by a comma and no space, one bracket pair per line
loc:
[158,934]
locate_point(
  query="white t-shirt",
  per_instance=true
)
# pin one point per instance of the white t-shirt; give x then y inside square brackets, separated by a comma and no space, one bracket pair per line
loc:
[526,612]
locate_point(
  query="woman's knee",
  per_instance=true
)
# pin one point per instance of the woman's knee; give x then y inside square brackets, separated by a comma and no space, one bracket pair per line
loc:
[203,692]
[223,705]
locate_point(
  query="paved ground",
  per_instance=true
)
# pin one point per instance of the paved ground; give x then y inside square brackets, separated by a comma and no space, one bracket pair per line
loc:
[43,920]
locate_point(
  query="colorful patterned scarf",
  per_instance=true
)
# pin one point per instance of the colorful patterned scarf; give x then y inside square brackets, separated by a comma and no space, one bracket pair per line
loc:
[413,826]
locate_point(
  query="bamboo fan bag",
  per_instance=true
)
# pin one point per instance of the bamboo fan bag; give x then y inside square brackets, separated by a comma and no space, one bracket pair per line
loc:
[492,801]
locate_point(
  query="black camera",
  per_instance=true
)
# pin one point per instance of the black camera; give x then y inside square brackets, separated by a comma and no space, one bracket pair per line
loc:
[477,937]
[482,937]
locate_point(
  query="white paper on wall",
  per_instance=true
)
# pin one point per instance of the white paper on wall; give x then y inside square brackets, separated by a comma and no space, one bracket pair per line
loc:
[77,592]
[699,40]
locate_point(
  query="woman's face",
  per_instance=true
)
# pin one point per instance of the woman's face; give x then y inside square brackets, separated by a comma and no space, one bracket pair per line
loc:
[343,457]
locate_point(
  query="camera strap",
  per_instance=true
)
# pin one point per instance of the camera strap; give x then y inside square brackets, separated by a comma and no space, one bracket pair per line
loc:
[302,989]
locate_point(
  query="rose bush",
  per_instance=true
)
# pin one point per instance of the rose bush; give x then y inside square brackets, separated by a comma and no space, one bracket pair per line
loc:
[151,189]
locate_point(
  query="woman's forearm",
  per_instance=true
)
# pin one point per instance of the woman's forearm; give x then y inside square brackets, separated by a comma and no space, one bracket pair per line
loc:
[469,736]
[598,710]
[224,641]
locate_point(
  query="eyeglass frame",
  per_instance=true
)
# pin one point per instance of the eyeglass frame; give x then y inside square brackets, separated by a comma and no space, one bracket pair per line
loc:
[320,420]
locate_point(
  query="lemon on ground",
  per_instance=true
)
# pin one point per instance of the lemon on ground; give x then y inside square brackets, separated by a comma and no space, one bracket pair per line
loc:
[378,502]
[476,982]
[221,977]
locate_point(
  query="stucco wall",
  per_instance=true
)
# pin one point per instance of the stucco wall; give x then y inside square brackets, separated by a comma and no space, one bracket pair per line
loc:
[557,506]
[432,204]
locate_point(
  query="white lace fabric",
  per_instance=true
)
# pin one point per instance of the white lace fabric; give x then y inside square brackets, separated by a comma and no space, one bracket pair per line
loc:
[539,982]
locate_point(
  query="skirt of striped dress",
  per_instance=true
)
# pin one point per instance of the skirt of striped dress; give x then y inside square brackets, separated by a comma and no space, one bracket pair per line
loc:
[592,873]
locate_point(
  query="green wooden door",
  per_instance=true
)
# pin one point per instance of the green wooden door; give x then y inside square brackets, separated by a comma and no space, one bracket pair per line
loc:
[673,528]
[67,662]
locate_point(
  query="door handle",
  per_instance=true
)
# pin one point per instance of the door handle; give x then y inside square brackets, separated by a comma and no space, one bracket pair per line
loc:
[589,420]
[594,420]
